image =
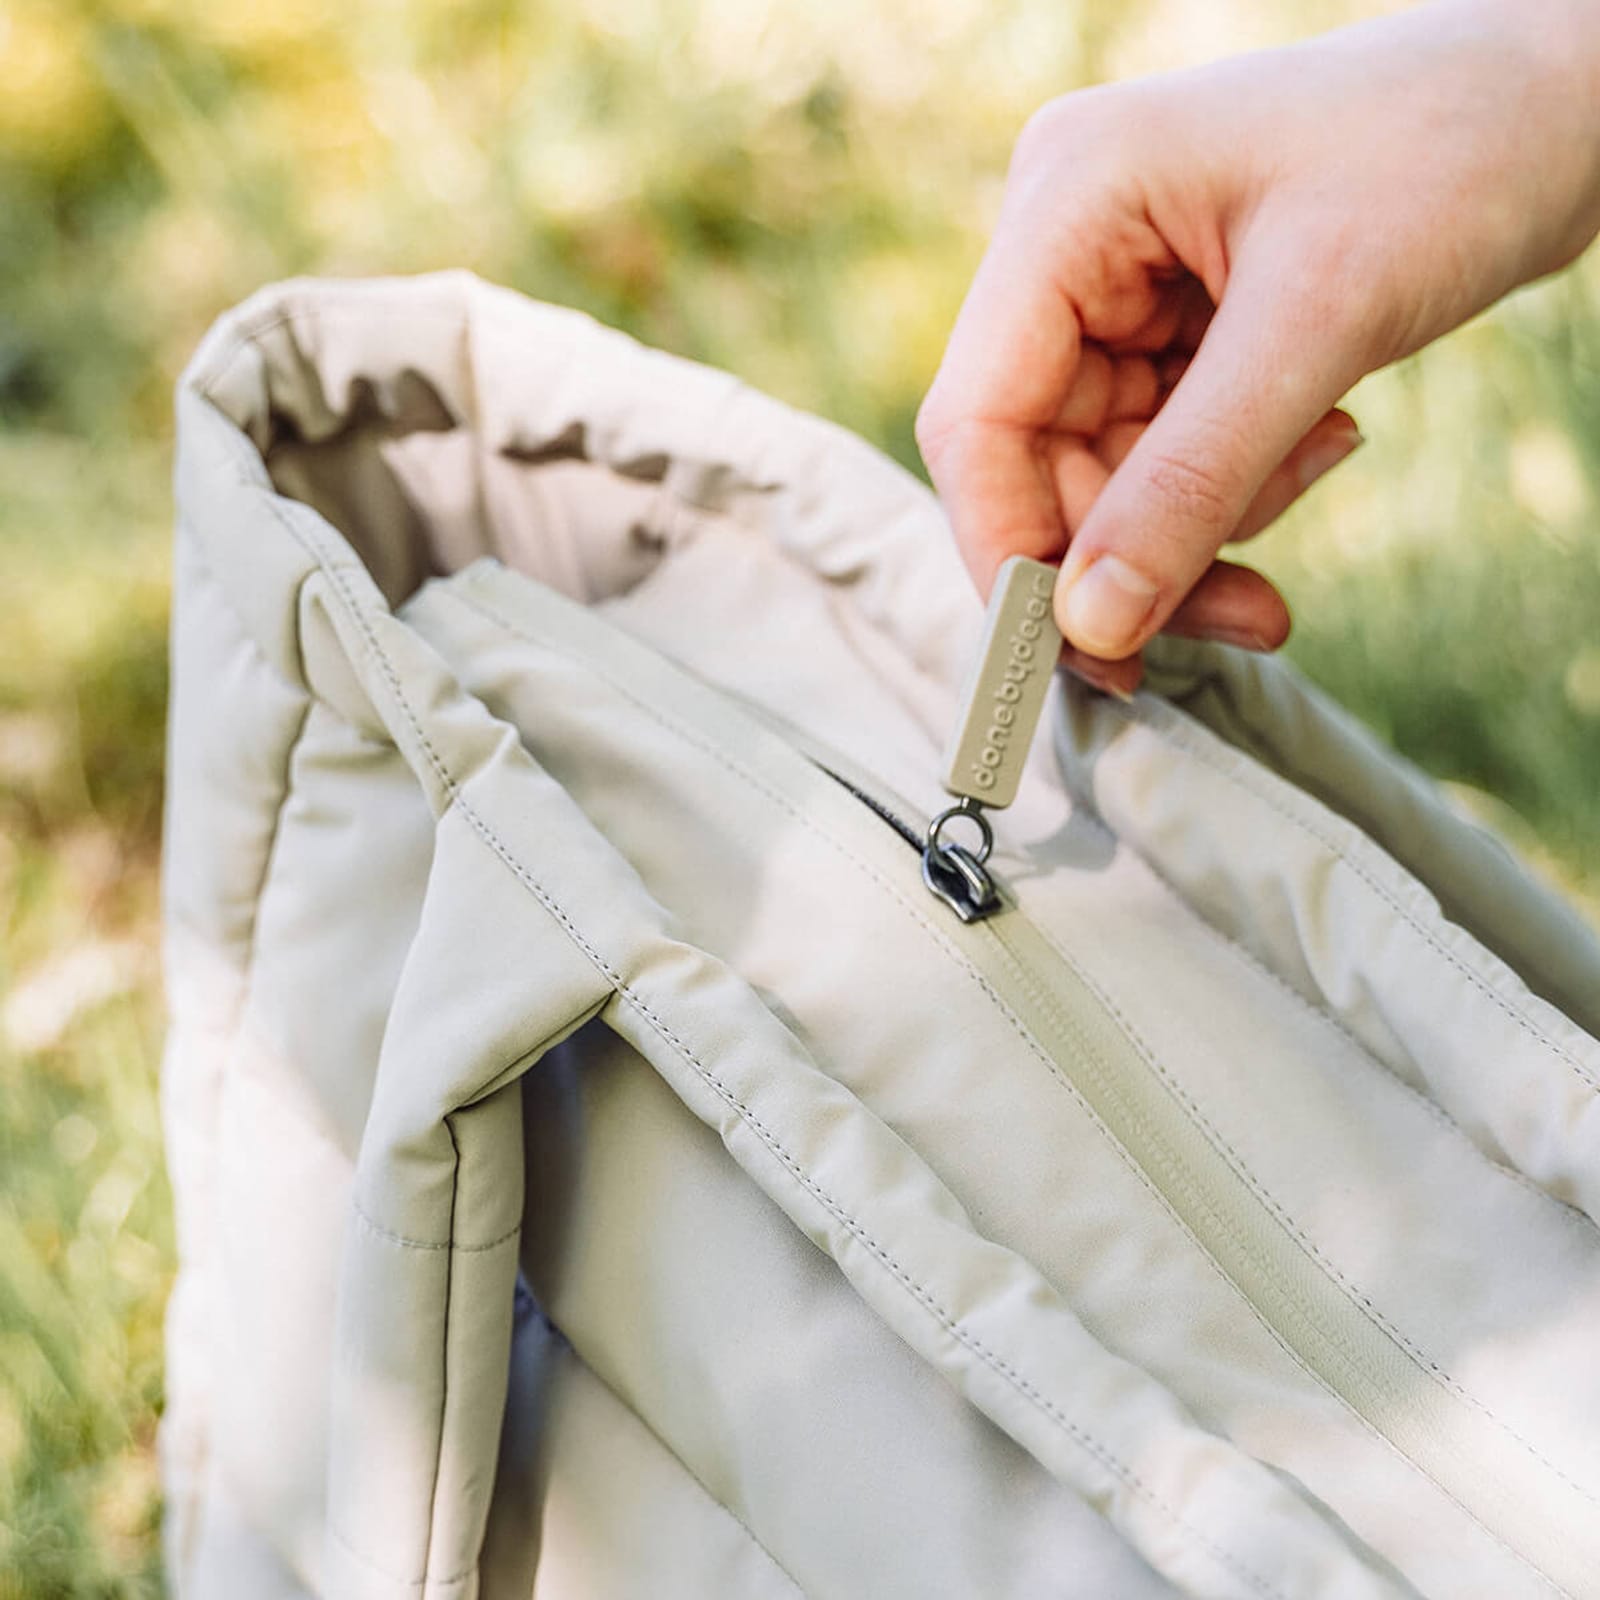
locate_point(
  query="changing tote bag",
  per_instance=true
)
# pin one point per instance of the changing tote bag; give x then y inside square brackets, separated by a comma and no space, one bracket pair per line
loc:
[605,1170]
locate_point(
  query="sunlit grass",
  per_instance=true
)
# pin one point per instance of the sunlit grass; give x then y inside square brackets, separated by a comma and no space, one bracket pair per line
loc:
[85,1243]
[798,193]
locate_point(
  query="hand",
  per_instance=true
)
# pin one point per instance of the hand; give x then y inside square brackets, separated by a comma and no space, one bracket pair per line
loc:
[1189,271]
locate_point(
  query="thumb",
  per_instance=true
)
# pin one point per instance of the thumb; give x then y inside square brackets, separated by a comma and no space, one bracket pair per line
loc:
[1252,392]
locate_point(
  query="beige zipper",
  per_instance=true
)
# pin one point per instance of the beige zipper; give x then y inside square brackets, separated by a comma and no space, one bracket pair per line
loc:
[1499,1481]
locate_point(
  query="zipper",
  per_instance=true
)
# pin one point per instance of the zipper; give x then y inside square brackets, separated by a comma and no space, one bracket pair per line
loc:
[1355,1356]
[953,873]
[1075,1028]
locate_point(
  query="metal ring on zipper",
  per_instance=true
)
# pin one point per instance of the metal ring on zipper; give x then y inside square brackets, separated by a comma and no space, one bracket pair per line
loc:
[970,808]
[954,873]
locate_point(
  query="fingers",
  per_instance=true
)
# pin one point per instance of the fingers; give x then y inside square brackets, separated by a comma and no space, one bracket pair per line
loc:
[1136,390]
[1231,604]
[1108,388]
[1091,393]
[1000,497]
[1119,678]
[1178,322]
[1332,439]
[1111,399]
[1078,475]
[1249,398]
[1235,605]
[1011,366]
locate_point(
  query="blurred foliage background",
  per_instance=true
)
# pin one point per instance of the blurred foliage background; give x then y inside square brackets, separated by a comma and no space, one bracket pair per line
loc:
[798,192]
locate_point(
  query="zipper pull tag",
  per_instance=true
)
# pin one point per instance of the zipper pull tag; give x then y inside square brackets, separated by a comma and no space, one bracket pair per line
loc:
[1005,693]
[1000,710]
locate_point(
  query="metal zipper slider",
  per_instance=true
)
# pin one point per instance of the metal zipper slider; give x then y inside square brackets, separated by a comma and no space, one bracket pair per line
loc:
[1001,705]
[955,873]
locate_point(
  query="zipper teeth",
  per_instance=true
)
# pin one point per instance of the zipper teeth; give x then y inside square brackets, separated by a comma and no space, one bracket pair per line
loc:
[911,836]
[1347,1352]
[1383,1393]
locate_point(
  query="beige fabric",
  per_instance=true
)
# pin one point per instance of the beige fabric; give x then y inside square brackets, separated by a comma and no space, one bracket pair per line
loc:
[604,1170]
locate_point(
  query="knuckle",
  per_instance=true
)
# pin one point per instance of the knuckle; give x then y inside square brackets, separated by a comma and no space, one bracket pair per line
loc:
[1039,139]
[1057,138]
[1189,493]
[1076,158]
[1097,124]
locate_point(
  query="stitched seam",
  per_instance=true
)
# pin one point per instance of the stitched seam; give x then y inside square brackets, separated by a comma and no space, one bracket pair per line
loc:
[914,912]
[1246,1246]
[953,1326]
[476,603]
[1550,1203]
[1174,733]
[1288,1223]
[1563,1212]
[919,1292]
[1041,1402]
[366,1219]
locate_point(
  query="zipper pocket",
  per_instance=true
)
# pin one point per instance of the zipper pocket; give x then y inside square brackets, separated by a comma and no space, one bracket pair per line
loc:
[1343,1341]
[1001,703]
[1540,1513]
[953,874]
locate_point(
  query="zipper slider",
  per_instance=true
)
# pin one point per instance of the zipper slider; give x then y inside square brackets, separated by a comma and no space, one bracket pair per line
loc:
[1001,705]
[955,873]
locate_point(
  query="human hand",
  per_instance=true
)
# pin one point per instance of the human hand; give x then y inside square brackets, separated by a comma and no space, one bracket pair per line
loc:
[1189,271]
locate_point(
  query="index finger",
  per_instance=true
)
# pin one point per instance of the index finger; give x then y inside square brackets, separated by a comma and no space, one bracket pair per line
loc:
[1011,359]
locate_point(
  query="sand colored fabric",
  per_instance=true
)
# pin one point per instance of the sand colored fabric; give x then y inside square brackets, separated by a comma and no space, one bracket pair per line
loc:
[604,1170]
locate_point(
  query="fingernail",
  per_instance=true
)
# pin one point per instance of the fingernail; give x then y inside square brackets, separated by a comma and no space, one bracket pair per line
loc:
[1324,457]
[1106,606]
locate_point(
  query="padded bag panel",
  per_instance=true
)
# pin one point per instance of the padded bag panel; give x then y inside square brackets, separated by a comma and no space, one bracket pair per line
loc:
[742,1349]
[604,1507]
[1055,1191]
[1113,929]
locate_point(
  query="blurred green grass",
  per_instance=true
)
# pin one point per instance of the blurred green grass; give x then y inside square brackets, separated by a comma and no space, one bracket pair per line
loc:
[796,193]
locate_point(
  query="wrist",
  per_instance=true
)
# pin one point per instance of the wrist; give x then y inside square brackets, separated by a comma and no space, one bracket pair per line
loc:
[1551,49]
